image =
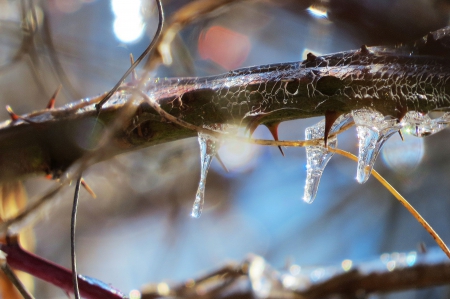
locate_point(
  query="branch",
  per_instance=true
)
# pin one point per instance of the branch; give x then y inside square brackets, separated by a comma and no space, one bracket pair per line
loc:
[389,81]
[390,273]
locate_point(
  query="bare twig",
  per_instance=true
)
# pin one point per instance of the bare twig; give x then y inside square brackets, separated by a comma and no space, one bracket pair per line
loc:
[73,222]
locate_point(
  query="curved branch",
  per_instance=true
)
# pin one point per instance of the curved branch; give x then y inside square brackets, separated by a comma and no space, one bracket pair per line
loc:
[388,81]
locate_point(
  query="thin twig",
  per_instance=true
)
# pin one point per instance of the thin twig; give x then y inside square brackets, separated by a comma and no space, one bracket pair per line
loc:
[15,280]
[136,63]
[403,201]
[73,223]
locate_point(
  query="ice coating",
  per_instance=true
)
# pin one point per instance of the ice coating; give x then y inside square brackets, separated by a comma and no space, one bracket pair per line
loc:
[317,157]
[373,130]
[420,125]
[209,146]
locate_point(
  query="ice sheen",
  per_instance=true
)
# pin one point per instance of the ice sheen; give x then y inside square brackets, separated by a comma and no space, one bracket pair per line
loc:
[317,157]
[209,145]
[373,130]
[420,125]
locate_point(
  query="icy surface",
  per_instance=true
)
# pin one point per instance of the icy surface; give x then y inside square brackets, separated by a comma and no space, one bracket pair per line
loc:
[318,156]
[373,130]
[209,145]
[420,125]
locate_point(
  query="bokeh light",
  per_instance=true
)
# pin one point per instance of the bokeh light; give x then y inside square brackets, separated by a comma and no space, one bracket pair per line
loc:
[214,44]
[128,24]
[238,156]
[403,156]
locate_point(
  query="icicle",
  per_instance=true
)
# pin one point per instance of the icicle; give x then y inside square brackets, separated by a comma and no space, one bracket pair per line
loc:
[373,130]
[317,157]
[209,146]
[420,125]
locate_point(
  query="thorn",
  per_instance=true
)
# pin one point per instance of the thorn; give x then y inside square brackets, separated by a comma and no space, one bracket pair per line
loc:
[253,124]
[221,162]
[401,112]
[310,57]
[401,135]
[422,248]
[273,128]
[330,118]
[88,189]
[13,116]
[364,50]
[430,38]
[133,73]
[51,103]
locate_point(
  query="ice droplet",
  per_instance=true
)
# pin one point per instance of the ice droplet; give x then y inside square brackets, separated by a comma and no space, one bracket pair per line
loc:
[317,157]
[420,125]
[209,146]
[373,130]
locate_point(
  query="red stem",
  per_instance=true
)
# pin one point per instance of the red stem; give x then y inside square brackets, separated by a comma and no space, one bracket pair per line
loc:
[59,276]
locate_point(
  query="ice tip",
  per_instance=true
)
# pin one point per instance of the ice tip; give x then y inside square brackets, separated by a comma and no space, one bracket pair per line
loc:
[196,212]
[308,198]
[363,174]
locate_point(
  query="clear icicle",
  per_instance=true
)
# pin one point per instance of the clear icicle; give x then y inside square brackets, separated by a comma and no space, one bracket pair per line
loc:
[317,157]
[420,125]
[209,146]
[373,130]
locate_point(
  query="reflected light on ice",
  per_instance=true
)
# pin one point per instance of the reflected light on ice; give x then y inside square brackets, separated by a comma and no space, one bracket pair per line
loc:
[403,156]
[128,24]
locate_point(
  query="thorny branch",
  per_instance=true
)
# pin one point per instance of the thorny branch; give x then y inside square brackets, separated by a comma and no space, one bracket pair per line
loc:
[391,82]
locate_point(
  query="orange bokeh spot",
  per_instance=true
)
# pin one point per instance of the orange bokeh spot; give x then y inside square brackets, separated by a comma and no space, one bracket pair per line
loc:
[225,47]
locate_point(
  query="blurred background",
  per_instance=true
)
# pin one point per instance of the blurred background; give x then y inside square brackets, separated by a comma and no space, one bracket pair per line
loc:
[139,230]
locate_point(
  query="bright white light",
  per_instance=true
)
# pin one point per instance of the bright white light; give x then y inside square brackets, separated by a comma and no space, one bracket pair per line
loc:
[238,156]
[126,8]
[317,12]
[127,30]
[128,25]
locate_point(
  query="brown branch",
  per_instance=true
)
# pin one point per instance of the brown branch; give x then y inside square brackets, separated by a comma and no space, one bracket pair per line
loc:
[366,278]
[49,141]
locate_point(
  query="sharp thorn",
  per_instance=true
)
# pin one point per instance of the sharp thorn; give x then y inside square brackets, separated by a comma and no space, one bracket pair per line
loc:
[13,116]
[51,103]
[252,125]
[330,118]
[364,50]
[401,112]
[88,189]
[273,128]
[281,150]
[221,162]
[401,135]
[310,57]
[133,73]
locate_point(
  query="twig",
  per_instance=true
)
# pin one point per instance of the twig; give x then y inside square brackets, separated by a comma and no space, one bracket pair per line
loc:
[59,276]
[402,200]
[13,278]
[73,222]
[140,58]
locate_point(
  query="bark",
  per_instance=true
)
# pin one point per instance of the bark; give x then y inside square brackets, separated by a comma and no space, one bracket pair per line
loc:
[389,80]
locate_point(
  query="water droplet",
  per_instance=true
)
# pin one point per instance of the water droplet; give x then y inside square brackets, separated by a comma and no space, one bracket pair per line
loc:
[317,157]
[373,130]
